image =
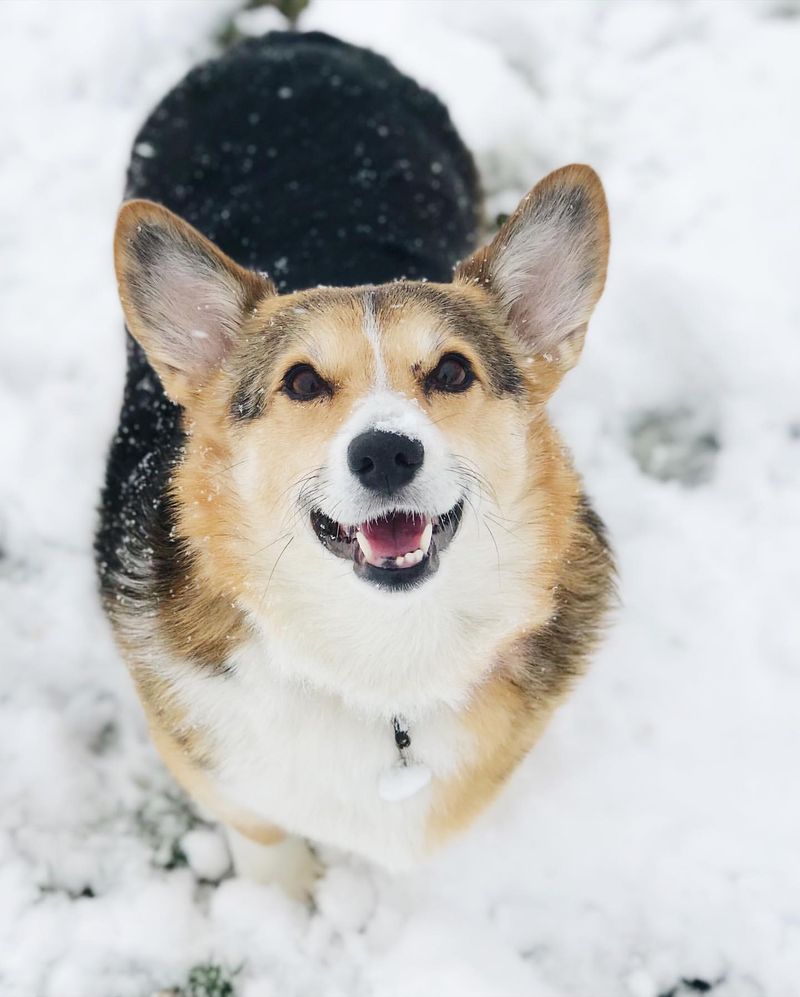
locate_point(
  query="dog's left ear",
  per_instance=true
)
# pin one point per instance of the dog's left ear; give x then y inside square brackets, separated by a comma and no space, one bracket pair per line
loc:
[546,267]
[184,300]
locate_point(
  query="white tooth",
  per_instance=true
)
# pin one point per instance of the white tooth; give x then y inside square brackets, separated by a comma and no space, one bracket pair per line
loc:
[366,547]
[400,561]
[427,533]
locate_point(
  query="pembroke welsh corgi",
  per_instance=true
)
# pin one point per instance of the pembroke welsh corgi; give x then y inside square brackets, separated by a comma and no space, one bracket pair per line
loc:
[344,552]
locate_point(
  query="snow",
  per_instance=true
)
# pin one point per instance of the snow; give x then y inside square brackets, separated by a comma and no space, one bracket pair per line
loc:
[653,835]
[206,853]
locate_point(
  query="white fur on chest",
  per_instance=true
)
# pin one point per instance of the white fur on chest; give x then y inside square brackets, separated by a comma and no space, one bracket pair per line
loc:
[297,757]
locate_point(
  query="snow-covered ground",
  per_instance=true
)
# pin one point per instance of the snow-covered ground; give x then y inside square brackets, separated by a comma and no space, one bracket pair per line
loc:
[655,834]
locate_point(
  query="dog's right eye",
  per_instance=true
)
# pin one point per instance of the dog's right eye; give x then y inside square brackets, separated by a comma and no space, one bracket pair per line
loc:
[303,383]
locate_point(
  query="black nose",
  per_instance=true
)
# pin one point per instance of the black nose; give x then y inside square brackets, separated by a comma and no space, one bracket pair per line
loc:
[384,462]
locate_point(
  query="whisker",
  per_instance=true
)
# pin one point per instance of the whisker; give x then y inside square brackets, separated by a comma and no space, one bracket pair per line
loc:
[274,567]
[302,481]
[494,541]
[474,510]
[444,418]
[230,467]
[510,532]
[474,471]
[272,543]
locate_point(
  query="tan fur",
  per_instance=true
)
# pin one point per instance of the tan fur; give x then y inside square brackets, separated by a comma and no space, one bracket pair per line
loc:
[505,728]
[510,711]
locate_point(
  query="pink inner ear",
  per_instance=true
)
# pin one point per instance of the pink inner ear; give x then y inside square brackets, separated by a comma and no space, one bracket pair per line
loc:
[196,310]
[543,276]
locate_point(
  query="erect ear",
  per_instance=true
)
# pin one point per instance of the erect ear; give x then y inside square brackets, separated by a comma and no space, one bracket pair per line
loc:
[184,300]
[546,267]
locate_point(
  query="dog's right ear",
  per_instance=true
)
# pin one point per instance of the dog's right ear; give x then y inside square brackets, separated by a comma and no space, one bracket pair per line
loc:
[546,267]
[184,300]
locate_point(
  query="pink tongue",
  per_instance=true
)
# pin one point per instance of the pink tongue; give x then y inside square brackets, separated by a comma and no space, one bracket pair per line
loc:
[400,534]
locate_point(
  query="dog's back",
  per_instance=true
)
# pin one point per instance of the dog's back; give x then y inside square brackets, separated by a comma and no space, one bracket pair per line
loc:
[314,161]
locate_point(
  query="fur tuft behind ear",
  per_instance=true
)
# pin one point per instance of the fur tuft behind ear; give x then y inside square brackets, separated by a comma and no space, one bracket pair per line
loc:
[184,300]
[546,267]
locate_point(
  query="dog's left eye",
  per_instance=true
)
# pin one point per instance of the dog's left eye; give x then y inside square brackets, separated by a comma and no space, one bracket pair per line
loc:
[303,383]
[452,373]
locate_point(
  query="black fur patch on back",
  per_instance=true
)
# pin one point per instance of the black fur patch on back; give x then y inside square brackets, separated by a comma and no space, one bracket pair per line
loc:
[313,160]
[135,512]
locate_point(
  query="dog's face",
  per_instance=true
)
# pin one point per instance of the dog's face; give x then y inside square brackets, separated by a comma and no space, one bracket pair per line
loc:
[384,413]
[373,465]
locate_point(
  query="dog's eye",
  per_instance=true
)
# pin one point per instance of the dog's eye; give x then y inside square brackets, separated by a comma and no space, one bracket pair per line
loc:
[303,383]
[452,373]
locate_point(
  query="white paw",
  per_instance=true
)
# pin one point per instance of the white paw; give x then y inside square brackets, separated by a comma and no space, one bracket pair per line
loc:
[289,864]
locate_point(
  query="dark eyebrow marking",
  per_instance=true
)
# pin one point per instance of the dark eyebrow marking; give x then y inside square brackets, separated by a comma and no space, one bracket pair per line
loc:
[505,377]
[256,359]
[259,353]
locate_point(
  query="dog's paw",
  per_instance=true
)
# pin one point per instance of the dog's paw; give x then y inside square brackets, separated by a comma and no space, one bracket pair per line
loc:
[289,863]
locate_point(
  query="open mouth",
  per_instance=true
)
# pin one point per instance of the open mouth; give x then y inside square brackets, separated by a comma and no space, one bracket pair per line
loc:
[397,550]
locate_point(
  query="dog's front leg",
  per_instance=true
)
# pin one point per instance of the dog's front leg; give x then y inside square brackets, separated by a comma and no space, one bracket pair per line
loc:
[274,857]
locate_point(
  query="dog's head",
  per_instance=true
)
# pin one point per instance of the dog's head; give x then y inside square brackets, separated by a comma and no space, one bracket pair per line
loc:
[372,466]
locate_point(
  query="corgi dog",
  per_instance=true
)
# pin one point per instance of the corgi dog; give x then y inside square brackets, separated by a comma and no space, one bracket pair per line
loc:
[344,552]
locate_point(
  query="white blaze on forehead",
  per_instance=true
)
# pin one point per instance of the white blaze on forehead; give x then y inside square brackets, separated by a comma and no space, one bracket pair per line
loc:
[435,487]
[373,333]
